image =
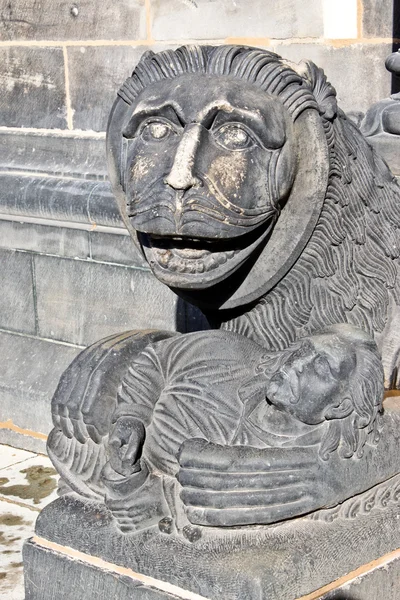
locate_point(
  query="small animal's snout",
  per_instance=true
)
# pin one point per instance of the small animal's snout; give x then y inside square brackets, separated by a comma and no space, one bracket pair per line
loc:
[181,176]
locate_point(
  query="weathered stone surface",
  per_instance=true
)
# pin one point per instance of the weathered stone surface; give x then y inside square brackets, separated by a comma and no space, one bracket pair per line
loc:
[59,198]
[378,18]
[17,310]
[348,69]
[108,247]
[74,576]
[388,147]
[64,155]
[382,581]
[33,87]
[202,20]
[112,65]
[19,440]
[171,445]
[281,562]
[92,20]
[80,302]
[61,241]
[27,382]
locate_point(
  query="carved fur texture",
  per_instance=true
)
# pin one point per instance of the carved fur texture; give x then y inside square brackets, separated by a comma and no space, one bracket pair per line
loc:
[349,270]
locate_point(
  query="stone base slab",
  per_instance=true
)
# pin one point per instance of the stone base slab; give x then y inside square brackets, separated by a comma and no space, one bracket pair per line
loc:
[281,562]
[53,571]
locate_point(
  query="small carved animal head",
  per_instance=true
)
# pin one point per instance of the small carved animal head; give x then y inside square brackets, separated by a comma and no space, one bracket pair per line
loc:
[335,376]
[204,151]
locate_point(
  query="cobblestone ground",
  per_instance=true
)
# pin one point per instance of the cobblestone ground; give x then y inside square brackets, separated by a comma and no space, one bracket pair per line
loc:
[28,482]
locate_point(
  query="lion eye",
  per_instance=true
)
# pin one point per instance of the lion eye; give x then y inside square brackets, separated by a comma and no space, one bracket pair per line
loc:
[234,137]
[156,131]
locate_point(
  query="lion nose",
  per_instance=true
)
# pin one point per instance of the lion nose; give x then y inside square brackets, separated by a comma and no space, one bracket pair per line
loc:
[181,176]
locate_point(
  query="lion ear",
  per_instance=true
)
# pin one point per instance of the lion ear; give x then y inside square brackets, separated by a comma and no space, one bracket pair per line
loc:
[323,91]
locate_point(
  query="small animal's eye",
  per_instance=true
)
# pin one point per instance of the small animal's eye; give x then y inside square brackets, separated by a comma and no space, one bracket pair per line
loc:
[156,131]
[234,136]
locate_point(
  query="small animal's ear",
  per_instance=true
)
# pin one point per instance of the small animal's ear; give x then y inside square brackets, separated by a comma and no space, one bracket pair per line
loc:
[342,411]
[324,92]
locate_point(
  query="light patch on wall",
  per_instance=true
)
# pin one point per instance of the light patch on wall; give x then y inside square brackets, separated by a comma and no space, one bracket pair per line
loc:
[340,19]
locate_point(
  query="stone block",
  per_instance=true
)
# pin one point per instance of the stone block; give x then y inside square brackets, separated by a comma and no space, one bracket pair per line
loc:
[21,440]
[102,206]
[111,65]
[27,382]
[61,199]
[77,579]
[279,562]
[357,72]
[81,302]
[382,581]
[340,19]
[33,87]
[202,19]
[83,20]
[56,154]
[34,237]
[374,583]
[115,248]
[378,18]
[17,310]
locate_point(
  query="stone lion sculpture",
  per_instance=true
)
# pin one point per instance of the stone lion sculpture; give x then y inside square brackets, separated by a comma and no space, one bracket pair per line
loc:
[252,196]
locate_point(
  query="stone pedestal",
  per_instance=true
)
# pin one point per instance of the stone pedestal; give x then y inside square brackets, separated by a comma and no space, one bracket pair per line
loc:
[349,552]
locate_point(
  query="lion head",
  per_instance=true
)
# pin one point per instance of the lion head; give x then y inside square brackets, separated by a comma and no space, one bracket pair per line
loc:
[209,149]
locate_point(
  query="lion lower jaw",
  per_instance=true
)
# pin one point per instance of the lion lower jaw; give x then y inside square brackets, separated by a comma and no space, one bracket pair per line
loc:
[205,261]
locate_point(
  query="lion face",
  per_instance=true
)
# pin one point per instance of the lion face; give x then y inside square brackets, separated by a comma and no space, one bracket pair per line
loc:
[210,162]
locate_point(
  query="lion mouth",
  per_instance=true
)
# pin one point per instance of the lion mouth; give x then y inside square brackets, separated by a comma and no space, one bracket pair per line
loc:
[188,255]
[195,263]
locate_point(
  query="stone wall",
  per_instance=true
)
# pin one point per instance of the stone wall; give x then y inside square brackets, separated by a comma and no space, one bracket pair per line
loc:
[70,274]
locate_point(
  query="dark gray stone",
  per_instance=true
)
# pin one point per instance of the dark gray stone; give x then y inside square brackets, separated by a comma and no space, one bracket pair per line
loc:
[55,154]
[80,301]
[388,147]
[285,561]
[377,18]
[255,198]
[26,381]
[17,300]
[75,576]
[202,19]
[109,247]
[112,65]
[33,87]
[34,237]
[381,123]
[93,20]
